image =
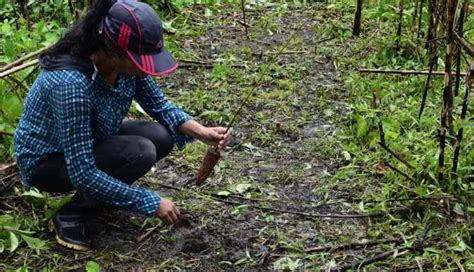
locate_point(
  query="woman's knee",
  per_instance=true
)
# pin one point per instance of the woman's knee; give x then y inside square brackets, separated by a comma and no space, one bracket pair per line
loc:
[146,155]
[155,132]
[163,142]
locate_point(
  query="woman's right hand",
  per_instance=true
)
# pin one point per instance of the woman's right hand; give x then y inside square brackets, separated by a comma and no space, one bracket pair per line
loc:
[168,212]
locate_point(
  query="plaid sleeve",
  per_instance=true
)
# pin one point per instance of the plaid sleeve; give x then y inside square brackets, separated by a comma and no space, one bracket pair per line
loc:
[72,107]
[152,100]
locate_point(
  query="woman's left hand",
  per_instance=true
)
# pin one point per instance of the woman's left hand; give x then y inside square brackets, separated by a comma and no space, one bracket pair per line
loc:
[215,136]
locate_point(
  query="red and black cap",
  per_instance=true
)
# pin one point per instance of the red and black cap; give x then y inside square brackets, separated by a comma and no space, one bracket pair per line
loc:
[136,28]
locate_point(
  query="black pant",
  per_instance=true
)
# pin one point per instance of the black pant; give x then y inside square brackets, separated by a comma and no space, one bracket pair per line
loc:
[126,156]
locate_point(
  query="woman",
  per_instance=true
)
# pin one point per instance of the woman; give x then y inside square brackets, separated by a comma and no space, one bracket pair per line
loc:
[71,135]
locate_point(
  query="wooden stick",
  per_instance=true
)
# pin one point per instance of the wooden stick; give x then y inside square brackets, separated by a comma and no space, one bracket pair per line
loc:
[206,64]
[399,171]
[464,44]
[20,60]
[402,72]
[382,256]
[310,215]
[146,234]
[396,155]
[18,68]
[6,167]
[6,133]
[351,245]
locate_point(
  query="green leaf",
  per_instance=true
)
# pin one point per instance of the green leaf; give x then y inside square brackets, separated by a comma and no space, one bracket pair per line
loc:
[92,266]
[6,29]
[32,242]
[362,127]
[241,188]
[11,107]
[13,242]
[168,27]
[33,193]
[9,49]
[460,247]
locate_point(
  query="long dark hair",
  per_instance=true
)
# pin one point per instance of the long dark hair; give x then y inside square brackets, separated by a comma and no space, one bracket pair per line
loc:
[83,38]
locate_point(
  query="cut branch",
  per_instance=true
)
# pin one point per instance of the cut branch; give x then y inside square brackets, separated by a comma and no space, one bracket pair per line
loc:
[464,44]
[396,155]
[402,72]
[313,215]
[22,59]
[18,68]
[4,133]
[399,171]
[376,258]
[351,245]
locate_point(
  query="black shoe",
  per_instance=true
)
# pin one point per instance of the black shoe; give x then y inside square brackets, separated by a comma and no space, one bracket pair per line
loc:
[70,230]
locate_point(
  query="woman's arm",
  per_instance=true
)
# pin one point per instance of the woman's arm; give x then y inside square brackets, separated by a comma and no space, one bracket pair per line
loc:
[216,136]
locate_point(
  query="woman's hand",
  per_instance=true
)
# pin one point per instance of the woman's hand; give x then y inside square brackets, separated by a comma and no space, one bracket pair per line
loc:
[215,136]
[168,212]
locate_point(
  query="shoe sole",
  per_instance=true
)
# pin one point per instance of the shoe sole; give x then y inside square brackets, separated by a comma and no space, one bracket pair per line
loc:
[71,246]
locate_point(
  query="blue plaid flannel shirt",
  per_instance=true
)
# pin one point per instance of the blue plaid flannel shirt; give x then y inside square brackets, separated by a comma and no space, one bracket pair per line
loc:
[65,111]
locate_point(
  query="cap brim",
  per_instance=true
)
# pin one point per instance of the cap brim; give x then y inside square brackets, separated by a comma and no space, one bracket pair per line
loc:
[154,65]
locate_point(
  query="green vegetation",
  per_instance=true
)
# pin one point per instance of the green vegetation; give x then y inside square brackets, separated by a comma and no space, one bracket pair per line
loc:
[307,142]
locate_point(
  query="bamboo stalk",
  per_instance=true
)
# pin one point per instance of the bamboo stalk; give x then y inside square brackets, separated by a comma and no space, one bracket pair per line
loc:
[446,112]
[420,17]
[459,137]
[400,23]
[402,72]
[430,35]
[379,125]
[433,55]
[357,18]
[18,68]
[415,15]
[458,47]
